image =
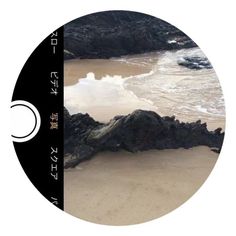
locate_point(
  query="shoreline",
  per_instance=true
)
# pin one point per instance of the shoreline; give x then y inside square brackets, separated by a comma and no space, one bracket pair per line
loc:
[123,188]
[105,88]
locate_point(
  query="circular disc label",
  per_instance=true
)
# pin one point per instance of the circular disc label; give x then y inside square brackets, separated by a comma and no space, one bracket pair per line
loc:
[118,117]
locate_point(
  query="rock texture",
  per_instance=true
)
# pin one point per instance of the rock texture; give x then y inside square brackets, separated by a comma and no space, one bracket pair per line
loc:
[115,33]
[195,62]
[138,131]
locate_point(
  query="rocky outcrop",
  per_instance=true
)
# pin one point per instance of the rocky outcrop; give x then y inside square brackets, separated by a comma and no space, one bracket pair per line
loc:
[138,131]
[115,33]
[195,62]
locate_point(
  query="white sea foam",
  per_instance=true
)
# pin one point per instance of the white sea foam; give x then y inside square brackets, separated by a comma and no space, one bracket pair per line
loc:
[180,89]
[106,92]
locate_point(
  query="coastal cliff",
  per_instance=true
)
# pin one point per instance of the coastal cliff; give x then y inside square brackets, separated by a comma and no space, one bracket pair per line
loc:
[116,33]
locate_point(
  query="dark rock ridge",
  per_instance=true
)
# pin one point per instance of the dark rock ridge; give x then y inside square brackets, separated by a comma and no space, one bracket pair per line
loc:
[116,33]
[138,131]
[195,62]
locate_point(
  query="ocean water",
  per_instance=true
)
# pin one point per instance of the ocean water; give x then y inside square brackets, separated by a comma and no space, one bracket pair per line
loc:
[167,88]
[176,89]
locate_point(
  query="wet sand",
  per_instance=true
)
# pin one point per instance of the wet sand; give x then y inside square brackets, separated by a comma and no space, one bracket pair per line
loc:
[124,188]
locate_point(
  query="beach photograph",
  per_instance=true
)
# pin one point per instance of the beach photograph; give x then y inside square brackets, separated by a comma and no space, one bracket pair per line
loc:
[144,118]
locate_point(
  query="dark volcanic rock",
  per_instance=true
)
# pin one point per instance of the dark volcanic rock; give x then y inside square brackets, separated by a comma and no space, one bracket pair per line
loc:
[138,131]
[115,33]
[196,63]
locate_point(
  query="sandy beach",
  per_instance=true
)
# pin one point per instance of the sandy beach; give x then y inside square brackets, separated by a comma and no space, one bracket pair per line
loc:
[124,188]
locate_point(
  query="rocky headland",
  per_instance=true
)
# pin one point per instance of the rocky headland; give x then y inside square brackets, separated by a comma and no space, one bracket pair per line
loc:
[138,131]
[116,33]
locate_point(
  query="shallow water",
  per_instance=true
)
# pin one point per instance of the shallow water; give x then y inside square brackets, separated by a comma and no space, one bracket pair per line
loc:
[180,90]
[162,85]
